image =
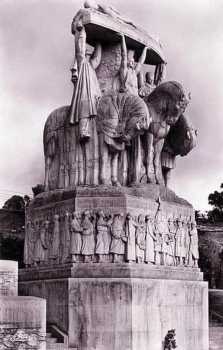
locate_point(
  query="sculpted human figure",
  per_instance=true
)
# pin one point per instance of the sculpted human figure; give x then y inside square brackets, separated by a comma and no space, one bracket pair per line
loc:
[66,237]
[131,238]
[88,242]
[129,69]
[150,254]
[50,143]
[40,250]
[103,236]
[180,252]
[117,247]
[172,240]
[29,244]
[87,91]
[140,239]
[55,240]
[194,252]
[76,238]
[147,86]
[160,229]
[108,10]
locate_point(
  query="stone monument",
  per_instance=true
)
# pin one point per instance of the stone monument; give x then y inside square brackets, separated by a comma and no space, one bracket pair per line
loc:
[110,247]
[22,318]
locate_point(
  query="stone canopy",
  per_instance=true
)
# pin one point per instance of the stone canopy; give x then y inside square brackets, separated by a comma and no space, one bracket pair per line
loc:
[103,28]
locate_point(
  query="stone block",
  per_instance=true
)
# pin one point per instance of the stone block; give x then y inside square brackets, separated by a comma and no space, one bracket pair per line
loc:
[8,278]
[22,323]
[123,306]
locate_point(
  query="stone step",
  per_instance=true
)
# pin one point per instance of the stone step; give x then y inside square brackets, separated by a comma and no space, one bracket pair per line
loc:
[52,344]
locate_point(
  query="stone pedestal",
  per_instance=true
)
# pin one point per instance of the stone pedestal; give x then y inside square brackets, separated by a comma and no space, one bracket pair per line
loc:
[122,306]
[22,318]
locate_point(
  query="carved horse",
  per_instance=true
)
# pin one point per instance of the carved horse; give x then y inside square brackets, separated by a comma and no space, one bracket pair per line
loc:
[121,118]
[166,104]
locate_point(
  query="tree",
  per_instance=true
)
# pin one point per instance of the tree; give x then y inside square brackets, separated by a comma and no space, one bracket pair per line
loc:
[216,200]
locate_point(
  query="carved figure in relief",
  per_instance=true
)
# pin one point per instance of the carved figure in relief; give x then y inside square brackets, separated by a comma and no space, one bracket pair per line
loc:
[87,91]
[76,238]
[180,252]
[140,239]
[66,237]
[131,238]
[88,242]
[159,232]
[172,240]
[55,240]
[29,244]
[50,146]
[119,239]
[150,256]
[41,246]
[103,236]
[193,251]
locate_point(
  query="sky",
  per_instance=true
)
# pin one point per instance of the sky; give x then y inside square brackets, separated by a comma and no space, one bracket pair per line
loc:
[36,52]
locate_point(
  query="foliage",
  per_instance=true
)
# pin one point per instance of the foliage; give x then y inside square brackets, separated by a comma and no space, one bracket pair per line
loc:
[12,249]
[216,200]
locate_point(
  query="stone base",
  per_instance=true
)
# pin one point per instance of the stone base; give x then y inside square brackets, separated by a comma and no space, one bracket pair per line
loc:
[22,323]
[123,306]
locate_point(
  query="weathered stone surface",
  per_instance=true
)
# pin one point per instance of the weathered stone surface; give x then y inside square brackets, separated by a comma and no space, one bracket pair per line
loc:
[8,278]
[22,323]
[114,307]
[100,270]
[64,226]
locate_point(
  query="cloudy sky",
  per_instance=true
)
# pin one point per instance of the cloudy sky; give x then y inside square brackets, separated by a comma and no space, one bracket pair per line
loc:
[36,50]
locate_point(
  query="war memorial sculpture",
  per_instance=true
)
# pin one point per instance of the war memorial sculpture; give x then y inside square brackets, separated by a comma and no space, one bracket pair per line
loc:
[110,247]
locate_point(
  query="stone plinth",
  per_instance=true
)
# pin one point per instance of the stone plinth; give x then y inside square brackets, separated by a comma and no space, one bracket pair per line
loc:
[123,306]
[22,319]
[23,322]
[8,278]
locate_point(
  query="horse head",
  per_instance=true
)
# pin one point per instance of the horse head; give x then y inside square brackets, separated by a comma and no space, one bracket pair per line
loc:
[182,137]
[169,101]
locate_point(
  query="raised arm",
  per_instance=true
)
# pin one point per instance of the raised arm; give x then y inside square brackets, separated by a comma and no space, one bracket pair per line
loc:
[80,45]
[96,57]
[123,67]
[141,60]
